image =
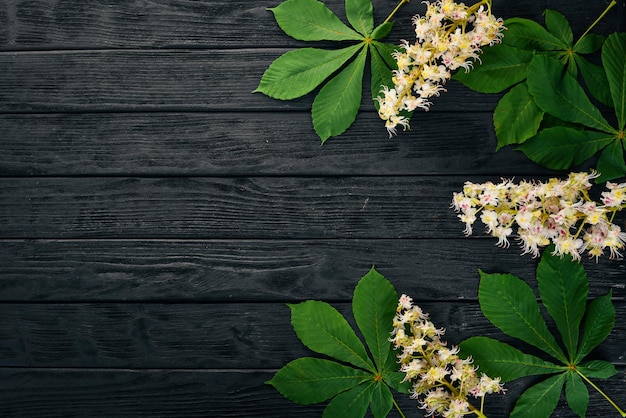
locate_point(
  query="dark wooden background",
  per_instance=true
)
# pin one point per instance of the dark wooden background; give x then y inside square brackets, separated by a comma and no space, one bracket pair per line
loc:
[155,216]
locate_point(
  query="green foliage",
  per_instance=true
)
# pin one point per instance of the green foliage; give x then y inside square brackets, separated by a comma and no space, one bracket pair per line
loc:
[338,72]
[352,381]
[547,112]
[511,305]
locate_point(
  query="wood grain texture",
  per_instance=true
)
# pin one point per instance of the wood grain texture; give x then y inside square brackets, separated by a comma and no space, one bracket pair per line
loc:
[94,24]
[203,336]
[236,144]
[191,393]
[235,208]
[163,80]
[262,270]
[262,207]
[156,216]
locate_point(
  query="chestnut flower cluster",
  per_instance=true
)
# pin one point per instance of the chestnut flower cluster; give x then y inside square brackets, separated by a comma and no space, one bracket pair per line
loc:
[558,212]
[449,36]
[442,380]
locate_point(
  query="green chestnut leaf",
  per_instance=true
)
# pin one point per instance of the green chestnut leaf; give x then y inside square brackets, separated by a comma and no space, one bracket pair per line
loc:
[311,20]
[502,67]
[588,44]
[531,36]
[373,306]
[561,95]
[611,164]
[558,26]
[576,393]
[500,359]
[595,79]
[352,403]
[511,305]
[360,14]
[562,147]
[352,383]
[563,288]
[614,61]
[324,330]
[598,369]
[599,321]
[309,380]
[382,30]
[541,399]
[517,117]
[382,400]
[336,105]
[300,71]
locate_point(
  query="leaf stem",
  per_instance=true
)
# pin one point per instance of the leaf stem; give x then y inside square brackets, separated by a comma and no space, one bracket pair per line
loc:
[395,404]
[622,413]
[393,12]
[609,7]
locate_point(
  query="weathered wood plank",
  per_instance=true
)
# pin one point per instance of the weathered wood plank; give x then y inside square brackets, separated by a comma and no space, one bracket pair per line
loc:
[163,80]
[50,24]
[153,393]
[248,144]
[244,270]
[190,393]
[243,208]
[262,207]
[206,336]
[82,338]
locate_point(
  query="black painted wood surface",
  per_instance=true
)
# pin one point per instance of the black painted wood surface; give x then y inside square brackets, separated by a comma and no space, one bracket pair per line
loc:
[156,216]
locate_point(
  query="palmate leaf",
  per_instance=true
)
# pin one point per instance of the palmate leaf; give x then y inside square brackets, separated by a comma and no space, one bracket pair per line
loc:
[539,400]
[496,358]
[510,304]
[351,390]
[336,105]
[310,380]
[552,80]
[516,118]
[324,330]
[373,306]
[563,287]
[311,20]
[300,71]
[614,61]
